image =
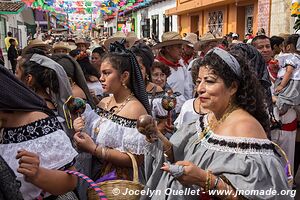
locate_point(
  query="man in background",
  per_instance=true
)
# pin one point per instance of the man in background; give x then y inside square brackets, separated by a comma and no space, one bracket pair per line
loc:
[6,40]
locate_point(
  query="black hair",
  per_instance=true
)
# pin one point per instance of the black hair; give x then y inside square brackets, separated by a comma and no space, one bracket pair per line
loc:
[11,40]
[145,52]
[100,51]
[292,39]
[43,77]
[249,94]
[259,37]
[35,50]
[276,40]
[9,34]
[195,69]
[74,53]
[87,68]
[122,60]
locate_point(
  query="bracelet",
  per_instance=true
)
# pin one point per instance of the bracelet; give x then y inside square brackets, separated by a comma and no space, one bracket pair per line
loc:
[227,188]
[208,180]
[216,183]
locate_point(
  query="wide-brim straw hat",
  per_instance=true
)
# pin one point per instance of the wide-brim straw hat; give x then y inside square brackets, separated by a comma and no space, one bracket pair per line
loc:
[37,43]
[192,38]
[131,38]
[169,39]
[83,41]
[61,45]
[208,37]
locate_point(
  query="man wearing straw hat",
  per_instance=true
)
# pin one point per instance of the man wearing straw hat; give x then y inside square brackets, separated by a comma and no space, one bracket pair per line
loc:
[189,53]
[82,44]
[207,42]
[61,48]
[38,44]
[170,54]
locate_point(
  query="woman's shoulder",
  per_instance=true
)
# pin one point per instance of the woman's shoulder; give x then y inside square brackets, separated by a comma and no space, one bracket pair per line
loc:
[241,124]
[133,110]
[104,101]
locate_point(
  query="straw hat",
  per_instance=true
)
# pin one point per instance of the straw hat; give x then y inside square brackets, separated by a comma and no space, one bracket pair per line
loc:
[37,43]
[131,38]
[192,38]
[209,37]
[82,41]
[61,45]
[169,39]
[119,35]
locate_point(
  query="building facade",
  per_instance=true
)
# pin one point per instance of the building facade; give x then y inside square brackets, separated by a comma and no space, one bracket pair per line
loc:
[239,16]
[222,16]
[152,21]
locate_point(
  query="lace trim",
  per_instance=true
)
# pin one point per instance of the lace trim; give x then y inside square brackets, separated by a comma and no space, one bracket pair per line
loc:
[157,94]
[124,139]
[30,131]
[55,151]
[123,121]
[241,145]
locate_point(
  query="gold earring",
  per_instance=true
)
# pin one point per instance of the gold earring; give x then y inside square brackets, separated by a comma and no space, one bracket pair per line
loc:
[124,85]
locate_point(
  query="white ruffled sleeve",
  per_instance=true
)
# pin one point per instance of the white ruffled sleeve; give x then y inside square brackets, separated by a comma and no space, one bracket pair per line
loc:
[54,150]
[120,137]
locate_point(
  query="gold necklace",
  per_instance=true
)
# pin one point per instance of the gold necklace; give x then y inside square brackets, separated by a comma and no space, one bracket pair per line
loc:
[214,123]
[120,107]
[110,116]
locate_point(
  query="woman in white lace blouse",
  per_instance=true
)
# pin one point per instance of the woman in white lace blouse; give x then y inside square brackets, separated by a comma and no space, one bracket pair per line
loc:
[110,131]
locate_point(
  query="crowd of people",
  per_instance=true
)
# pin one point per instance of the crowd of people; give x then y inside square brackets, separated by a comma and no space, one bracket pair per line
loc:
[230,122]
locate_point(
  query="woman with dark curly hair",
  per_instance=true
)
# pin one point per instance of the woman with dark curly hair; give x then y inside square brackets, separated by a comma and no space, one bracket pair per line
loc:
[232,152]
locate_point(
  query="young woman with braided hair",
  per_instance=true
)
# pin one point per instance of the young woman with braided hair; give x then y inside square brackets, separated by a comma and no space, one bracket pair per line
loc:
[111,131]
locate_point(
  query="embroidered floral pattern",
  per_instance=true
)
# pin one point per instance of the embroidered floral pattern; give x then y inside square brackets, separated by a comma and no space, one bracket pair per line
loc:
[30,131]
[123,121]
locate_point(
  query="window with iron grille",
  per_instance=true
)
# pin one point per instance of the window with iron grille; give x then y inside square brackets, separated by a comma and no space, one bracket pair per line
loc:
[215,22]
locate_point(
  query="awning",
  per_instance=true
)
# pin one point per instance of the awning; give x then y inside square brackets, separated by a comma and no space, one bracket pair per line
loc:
[7,8]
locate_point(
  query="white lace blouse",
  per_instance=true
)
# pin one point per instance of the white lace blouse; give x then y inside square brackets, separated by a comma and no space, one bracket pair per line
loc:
[44,137]
[114,131]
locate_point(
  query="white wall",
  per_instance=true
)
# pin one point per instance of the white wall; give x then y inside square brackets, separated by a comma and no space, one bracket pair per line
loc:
[112,23]
[281,20]
[158,9]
